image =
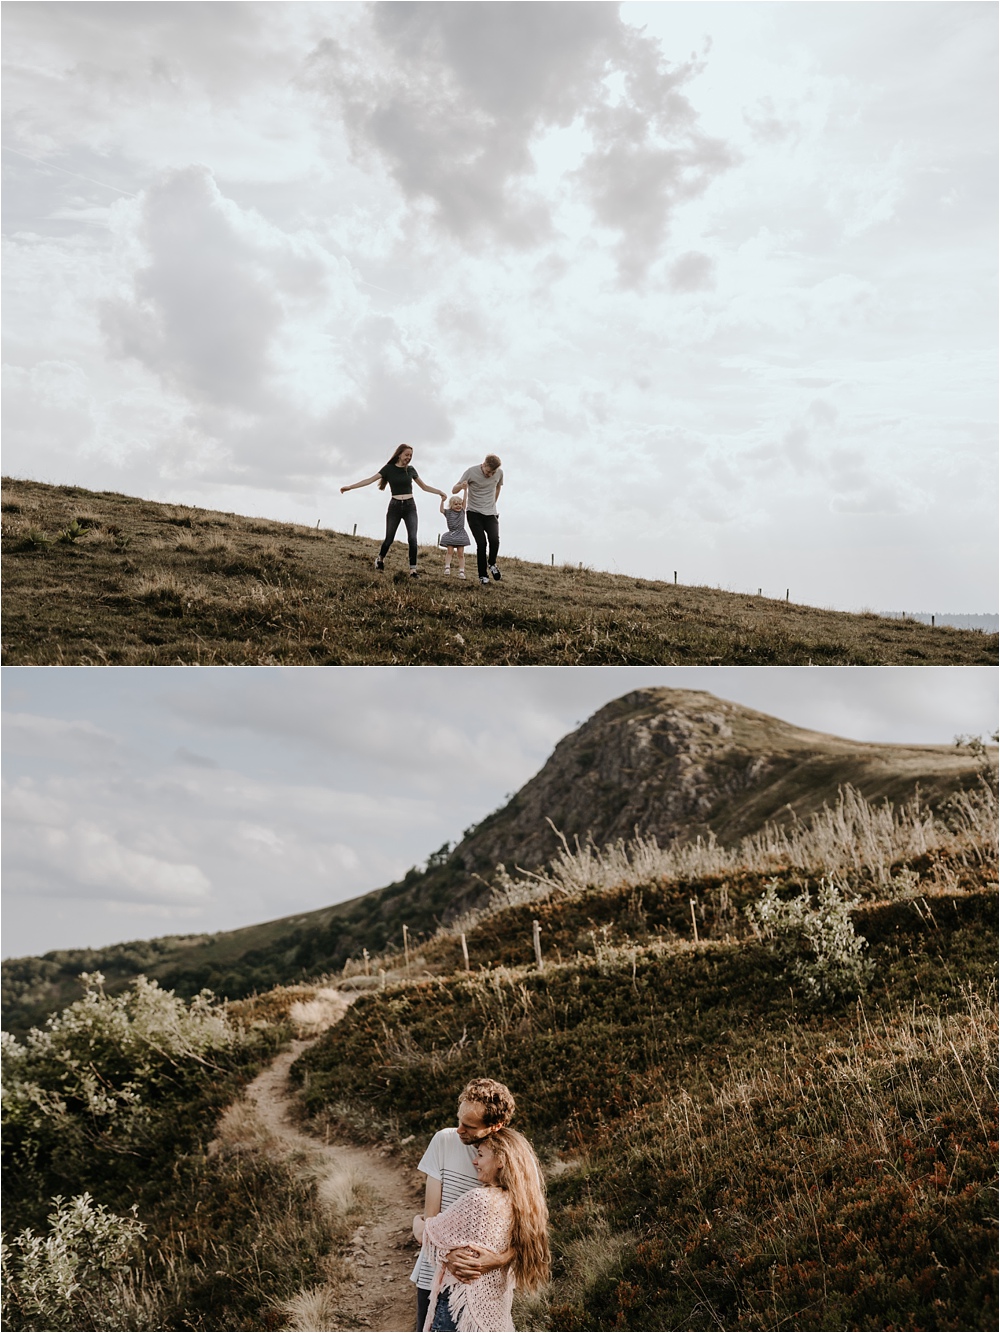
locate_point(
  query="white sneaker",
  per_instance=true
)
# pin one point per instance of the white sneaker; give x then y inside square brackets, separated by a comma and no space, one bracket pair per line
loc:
[447,569]
[461,573]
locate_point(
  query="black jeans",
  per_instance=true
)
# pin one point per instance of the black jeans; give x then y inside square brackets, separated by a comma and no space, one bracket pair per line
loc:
[484,526]
[400,511]
[423,1300]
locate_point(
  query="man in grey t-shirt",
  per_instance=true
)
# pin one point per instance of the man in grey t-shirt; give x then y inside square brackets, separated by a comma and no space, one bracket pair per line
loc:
[482,486]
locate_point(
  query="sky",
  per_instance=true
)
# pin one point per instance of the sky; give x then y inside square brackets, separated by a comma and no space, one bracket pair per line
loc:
[151,801]
[716,281]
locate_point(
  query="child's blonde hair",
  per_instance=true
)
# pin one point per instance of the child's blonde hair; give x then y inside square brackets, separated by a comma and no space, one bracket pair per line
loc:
[456,502]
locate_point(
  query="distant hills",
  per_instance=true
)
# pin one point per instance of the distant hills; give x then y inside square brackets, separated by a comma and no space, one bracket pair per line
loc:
[673,764]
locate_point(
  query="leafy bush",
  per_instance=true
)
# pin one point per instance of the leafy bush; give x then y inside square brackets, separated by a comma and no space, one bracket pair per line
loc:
[77,1275]
[816,941]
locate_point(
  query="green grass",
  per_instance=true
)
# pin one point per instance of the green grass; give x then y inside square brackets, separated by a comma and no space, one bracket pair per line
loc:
[96,578]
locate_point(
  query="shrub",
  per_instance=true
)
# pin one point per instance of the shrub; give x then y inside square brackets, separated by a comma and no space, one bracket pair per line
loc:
[816,942]
[77,1275]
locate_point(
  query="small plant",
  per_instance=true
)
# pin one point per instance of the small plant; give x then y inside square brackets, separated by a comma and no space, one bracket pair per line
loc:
[73,532]
[815,940]
[75,1276]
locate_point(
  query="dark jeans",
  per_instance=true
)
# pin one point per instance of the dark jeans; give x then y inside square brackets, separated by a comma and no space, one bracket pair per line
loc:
[423,1300]
[442,1321]
[400,511]
[483,526]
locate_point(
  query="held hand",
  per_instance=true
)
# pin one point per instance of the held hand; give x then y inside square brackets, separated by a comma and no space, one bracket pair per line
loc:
[344,488]
[469,1262]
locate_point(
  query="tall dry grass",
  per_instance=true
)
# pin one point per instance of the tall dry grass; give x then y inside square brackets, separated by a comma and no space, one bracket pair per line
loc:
[854,836]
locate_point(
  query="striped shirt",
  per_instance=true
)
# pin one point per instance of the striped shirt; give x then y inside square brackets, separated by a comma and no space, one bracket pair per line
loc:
[449,1160]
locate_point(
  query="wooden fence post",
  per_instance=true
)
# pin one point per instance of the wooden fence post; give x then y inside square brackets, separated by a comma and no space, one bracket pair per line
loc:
[355,532]
[465,953]
[368,969]
[406,949]
[694,920]
[536,939]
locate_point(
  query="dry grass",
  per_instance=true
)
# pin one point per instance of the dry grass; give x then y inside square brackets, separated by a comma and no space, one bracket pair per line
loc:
[867,841]
[283,593]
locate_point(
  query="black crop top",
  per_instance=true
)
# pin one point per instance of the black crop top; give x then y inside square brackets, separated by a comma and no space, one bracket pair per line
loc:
[399,478]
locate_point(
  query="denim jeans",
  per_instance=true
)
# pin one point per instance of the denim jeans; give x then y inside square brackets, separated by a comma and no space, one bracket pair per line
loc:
[483,526]
[442,1321]
[400,511]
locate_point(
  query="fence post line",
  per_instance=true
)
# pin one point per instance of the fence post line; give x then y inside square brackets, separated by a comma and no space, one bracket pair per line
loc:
[675,575]
[552,558]
[536,939]
[381,978]
[355,532]
[694,921]
[406,949]
[787,591]
[465,953]
[368,969]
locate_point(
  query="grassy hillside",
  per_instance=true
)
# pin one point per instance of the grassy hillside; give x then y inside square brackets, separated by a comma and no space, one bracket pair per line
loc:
[759,1078]
[725,1148]
[95,578]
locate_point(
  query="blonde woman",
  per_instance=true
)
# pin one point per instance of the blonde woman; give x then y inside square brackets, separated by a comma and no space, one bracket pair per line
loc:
[507,1211]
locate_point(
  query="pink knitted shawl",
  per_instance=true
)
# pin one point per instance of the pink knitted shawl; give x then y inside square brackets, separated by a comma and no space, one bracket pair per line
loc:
[481,1216]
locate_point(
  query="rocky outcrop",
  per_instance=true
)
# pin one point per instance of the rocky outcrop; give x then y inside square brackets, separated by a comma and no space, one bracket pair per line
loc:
[678,763]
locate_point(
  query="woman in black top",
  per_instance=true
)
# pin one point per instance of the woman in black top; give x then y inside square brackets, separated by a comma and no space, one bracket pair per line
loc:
[400,476]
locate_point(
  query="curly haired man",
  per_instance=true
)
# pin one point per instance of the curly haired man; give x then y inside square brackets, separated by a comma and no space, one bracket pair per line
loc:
[484,1105]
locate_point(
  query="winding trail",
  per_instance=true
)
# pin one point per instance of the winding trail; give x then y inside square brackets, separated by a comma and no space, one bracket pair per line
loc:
[377,1295]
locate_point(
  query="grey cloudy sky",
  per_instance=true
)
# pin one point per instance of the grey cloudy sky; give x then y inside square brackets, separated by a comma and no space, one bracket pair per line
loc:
[717,281]
[147,801]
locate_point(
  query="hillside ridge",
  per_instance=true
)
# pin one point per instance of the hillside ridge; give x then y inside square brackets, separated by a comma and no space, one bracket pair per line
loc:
[98,578]
[674,764]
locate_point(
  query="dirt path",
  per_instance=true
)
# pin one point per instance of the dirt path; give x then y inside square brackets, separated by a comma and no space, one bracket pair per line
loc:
[377,1294]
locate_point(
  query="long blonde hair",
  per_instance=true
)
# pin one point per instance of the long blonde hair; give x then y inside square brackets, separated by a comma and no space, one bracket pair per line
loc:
[520,1175]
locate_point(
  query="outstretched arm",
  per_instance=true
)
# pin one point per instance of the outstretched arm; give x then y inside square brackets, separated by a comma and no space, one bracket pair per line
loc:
[355,484]
[462,485]
[432,490]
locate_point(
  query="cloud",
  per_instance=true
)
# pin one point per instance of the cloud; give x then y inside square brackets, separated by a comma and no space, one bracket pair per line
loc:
[61,856]
[454,98]
[242,323]
[692,272]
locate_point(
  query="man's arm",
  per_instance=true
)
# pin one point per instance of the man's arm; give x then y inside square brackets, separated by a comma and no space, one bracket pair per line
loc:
[496,494]
[432,1197]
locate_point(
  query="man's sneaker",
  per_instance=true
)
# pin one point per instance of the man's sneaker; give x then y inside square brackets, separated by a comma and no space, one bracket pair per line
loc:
[414,573]
[379,562]
[485,580]
[495,572]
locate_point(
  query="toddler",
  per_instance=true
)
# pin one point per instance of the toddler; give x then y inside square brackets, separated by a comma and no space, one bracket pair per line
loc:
[456,538]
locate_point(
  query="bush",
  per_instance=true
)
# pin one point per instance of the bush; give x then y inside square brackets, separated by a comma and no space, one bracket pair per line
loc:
[76,1276]
[816,942]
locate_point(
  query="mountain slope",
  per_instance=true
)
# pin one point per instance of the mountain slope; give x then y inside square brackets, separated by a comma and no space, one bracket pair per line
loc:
[674,764]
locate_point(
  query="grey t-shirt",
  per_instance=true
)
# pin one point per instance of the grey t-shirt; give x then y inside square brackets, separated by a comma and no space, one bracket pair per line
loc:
[482,490]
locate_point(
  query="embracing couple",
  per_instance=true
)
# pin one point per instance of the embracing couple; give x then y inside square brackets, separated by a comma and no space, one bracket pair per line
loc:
[484,1228]
[474,496]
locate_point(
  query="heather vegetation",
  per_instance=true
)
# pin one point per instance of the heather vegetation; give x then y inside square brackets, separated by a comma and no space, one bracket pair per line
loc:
[100,578]
[761,1088]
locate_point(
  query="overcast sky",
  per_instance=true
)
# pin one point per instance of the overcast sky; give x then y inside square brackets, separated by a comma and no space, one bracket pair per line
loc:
[717,281]
[149,801]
